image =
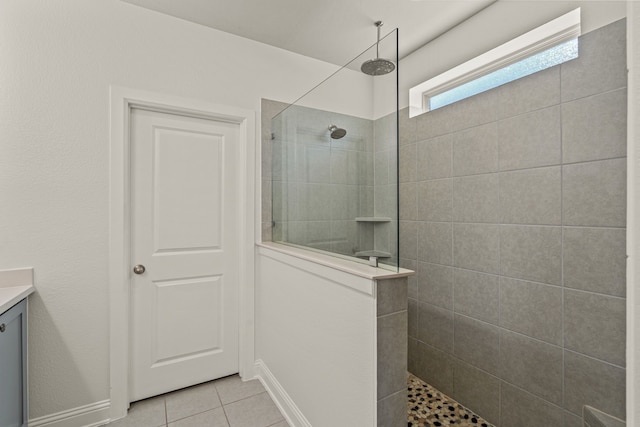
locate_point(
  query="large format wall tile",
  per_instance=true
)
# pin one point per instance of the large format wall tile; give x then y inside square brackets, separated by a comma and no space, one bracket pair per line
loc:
[532,365]
[392,296]
[476,198]
[531,196]
[595,128]
[408,240]
[317,206]
[573,420]
[530,140]
[408,162]
[531,253]
[537,166]
[392,353]
[407,127]
[435,242]
[381,160]
[477,343]
[412,362]
[435,285]
[408,196]
[475,150]
[591,382]
[392,410]
[533,92]
[467,113]
[595,325]
[434,158]
[477,390]
[476,295]
[412,281]
[531,309]
[476,247]
[435,367]
[316,165]
[435,326]
[344,202]
[434,200]
[594,193]
[412,318]
[595,260]
[601,65]
[522,409]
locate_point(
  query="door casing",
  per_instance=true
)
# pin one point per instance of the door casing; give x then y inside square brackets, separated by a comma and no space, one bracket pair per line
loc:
[122,101]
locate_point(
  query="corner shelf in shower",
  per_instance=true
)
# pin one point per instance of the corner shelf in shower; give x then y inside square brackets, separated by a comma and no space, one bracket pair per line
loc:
[373,219]
[378,254]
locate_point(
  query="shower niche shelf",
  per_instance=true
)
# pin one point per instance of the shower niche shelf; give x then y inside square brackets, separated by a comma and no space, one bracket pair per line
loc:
[373,219]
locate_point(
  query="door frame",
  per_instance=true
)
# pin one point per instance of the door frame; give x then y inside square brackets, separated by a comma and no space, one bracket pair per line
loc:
[122,101]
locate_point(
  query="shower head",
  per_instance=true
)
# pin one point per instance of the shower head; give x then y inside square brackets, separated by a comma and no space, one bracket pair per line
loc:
[336,132]
[378,66]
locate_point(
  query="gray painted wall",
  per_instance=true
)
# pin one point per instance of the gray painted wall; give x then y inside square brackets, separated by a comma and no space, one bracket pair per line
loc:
[512,211]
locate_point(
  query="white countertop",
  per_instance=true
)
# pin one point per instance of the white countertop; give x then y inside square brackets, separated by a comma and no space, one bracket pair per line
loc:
[15,285]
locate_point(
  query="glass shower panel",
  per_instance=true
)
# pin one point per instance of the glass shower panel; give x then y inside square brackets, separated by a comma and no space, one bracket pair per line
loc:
[334,165]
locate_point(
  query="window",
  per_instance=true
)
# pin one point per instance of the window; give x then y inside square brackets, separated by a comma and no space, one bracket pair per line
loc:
[548,45]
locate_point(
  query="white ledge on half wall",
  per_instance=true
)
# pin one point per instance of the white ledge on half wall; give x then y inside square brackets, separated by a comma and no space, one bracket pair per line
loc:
[337,262]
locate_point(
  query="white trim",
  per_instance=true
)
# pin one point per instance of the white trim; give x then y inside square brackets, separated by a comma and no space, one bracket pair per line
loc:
[93,414]
[335,261]
[122,100]
[561,29]
[283,401]
[633,210]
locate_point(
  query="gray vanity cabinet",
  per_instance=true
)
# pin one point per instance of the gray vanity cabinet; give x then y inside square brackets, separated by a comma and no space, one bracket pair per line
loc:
[13,366]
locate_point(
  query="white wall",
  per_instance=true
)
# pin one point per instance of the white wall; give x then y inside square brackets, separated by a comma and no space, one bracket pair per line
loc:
[493,26]
[57,61]
[316,334]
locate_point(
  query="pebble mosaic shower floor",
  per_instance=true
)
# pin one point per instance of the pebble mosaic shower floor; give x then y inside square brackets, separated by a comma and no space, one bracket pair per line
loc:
[428,407]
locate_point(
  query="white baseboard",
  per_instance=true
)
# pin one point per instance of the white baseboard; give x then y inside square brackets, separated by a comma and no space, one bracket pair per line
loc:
[287,406]
[91,415]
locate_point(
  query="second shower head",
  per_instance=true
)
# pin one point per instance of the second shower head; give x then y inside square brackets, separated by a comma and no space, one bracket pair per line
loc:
[336,132]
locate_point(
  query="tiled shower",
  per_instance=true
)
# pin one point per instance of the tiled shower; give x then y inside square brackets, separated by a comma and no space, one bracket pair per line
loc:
[513,214]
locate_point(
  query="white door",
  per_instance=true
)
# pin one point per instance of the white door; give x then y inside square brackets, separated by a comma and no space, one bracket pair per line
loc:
[184,306]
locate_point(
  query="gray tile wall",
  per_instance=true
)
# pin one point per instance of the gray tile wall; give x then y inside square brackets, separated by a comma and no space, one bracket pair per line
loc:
[512,211]
[314,187]
[391,312]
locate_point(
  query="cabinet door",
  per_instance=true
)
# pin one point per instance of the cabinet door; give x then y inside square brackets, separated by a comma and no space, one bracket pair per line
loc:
[12,366]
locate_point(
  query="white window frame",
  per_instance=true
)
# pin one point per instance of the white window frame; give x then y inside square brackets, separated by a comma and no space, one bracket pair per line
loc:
[553,33]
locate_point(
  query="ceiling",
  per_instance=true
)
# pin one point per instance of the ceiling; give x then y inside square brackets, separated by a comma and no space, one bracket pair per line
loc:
[334,31]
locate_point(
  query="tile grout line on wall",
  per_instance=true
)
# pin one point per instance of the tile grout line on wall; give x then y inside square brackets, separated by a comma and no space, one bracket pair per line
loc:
[562,236]
[499,275]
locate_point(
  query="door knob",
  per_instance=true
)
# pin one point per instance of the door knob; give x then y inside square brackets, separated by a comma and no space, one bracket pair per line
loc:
[139,269]
[2,327]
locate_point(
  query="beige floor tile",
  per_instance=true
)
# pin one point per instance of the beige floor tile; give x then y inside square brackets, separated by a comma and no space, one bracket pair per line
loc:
[191,401]
[255,411]
[232,389]
[213,418]
[145,413]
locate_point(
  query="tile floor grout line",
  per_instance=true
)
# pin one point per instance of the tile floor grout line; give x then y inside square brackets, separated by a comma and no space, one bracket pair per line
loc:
[166,416]
[222,406]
